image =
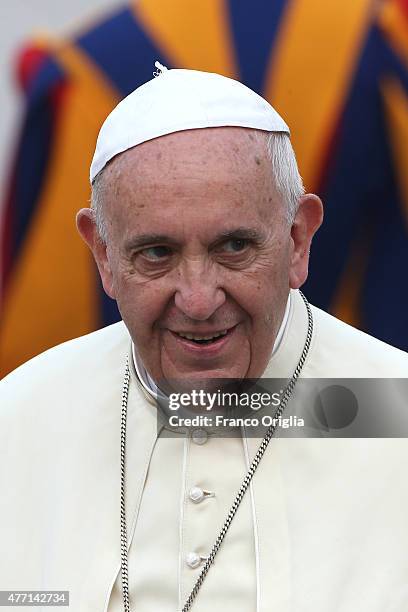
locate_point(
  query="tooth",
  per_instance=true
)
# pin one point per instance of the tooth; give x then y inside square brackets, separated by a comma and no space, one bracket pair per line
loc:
[197,337]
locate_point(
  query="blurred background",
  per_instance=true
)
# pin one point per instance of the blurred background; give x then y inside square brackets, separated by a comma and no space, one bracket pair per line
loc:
[336,71]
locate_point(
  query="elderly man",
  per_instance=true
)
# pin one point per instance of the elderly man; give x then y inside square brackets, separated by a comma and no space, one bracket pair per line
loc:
[201,231]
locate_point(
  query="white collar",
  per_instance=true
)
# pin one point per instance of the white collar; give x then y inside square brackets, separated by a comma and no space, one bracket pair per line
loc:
[150,386]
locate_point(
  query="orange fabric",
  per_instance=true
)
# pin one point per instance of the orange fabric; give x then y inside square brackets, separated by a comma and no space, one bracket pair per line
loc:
[310,72]
[193,35]
[396,103]
[53,254]
[394,23]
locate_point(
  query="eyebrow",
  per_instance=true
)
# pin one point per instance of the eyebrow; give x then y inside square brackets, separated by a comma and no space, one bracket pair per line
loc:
[144,239]
[239,233]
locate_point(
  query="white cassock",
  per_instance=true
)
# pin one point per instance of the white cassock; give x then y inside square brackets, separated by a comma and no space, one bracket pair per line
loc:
[322,528]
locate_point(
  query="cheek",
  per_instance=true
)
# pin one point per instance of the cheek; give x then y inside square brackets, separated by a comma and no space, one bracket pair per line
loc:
[263,288]
[263,295]
[141,304]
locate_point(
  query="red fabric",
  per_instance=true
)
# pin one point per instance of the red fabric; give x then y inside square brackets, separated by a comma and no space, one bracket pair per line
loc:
[6,233]
[404,7]
[29,62]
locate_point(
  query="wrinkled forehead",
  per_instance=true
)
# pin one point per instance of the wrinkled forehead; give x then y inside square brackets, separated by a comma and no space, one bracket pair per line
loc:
[210,152]
[201,179]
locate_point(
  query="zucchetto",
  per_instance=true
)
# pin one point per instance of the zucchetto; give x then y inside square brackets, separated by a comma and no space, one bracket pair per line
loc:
[177,100]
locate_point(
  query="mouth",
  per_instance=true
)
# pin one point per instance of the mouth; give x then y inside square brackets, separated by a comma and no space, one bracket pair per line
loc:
[214,339]
[203,339]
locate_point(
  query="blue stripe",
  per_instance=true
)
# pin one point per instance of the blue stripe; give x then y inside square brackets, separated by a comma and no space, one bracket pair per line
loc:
[108,309]
[361,201]
[122,50]
[254,26]
[395,65]
[385,298]
[34,151]
[360,170]
[48,75]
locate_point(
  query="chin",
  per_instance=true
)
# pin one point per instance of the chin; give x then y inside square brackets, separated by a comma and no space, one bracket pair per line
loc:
[190,383]
[207,380]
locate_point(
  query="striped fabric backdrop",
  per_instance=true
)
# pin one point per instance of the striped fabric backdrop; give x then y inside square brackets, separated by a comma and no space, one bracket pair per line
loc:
[336,71]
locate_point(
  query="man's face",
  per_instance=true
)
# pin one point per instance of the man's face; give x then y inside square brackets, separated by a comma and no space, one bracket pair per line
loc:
[199,252]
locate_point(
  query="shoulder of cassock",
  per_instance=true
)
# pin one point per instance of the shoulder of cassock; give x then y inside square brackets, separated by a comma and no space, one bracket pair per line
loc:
[337,350]
[59,432]
[340,350]
[93,364]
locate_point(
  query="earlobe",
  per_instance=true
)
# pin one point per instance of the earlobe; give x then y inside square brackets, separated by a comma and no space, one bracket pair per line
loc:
[308,219]
[86,226]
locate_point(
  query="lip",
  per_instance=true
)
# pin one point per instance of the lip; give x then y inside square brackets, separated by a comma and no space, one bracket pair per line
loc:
[204,350]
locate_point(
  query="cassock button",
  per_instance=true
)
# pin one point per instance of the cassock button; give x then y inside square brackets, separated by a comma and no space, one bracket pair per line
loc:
[199,436]
[193,559]
[196,495]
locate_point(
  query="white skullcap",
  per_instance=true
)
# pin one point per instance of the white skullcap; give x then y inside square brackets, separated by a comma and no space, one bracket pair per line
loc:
[179,100]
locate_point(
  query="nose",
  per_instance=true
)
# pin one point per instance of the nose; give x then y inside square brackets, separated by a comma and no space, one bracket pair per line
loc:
[198,294]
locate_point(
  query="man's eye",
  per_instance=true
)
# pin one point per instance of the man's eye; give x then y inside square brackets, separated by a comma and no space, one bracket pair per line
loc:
[156,253]
[235,245]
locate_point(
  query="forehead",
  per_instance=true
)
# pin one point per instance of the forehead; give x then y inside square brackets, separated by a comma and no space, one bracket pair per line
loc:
[204,174]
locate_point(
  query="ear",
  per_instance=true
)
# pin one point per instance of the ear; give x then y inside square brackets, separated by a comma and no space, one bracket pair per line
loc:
[86,225]
[308,219]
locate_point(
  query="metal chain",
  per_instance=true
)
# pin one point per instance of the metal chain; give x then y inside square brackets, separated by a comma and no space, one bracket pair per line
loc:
[242,490]
[123,532]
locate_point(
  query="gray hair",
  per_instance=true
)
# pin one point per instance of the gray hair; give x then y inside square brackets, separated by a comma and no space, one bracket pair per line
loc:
[288,181]
[97,205]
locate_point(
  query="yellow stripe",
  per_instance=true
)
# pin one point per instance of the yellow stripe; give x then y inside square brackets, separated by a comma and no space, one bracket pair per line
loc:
[193,35]
[310,72]
[396,104]
[52,295]
[393,22]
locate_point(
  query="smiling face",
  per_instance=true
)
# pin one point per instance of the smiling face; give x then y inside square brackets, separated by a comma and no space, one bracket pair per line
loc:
[198,246]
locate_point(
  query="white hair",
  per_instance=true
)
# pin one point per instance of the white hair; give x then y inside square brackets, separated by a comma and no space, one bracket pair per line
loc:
[288,181]
[97,205]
